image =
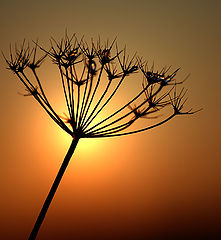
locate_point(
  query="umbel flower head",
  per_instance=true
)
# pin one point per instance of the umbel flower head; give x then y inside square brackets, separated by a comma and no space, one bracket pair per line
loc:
[92,76]
[85,67]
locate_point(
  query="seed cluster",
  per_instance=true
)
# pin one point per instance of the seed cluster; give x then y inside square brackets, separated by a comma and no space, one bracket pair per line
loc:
[82,66]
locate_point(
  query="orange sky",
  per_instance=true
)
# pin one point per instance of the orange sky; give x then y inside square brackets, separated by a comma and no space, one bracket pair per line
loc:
[162,182]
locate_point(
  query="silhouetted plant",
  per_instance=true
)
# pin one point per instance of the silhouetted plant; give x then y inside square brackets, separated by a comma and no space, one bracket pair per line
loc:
[83,69]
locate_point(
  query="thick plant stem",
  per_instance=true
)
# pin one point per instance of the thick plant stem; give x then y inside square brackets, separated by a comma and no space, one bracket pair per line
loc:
[53,189]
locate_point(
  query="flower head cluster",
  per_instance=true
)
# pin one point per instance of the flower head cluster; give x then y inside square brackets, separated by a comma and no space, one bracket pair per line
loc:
[84,69]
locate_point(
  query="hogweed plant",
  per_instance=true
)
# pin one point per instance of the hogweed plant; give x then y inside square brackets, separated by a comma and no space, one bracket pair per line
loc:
[85,68]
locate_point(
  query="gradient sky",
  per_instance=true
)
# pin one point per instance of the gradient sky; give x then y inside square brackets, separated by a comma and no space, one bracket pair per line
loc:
[162,182]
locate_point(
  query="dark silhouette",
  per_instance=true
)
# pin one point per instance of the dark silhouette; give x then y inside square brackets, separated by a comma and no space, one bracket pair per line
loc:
[82,67]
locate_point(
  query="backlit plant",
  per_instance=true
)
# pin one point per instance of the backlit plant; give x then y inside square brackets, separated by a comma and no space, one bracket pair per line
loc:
[85,68]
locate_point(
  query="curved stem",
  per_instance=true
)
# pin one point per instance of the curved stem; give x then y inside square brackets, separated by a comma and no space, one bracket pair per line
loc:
[111,134]
[53,189]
